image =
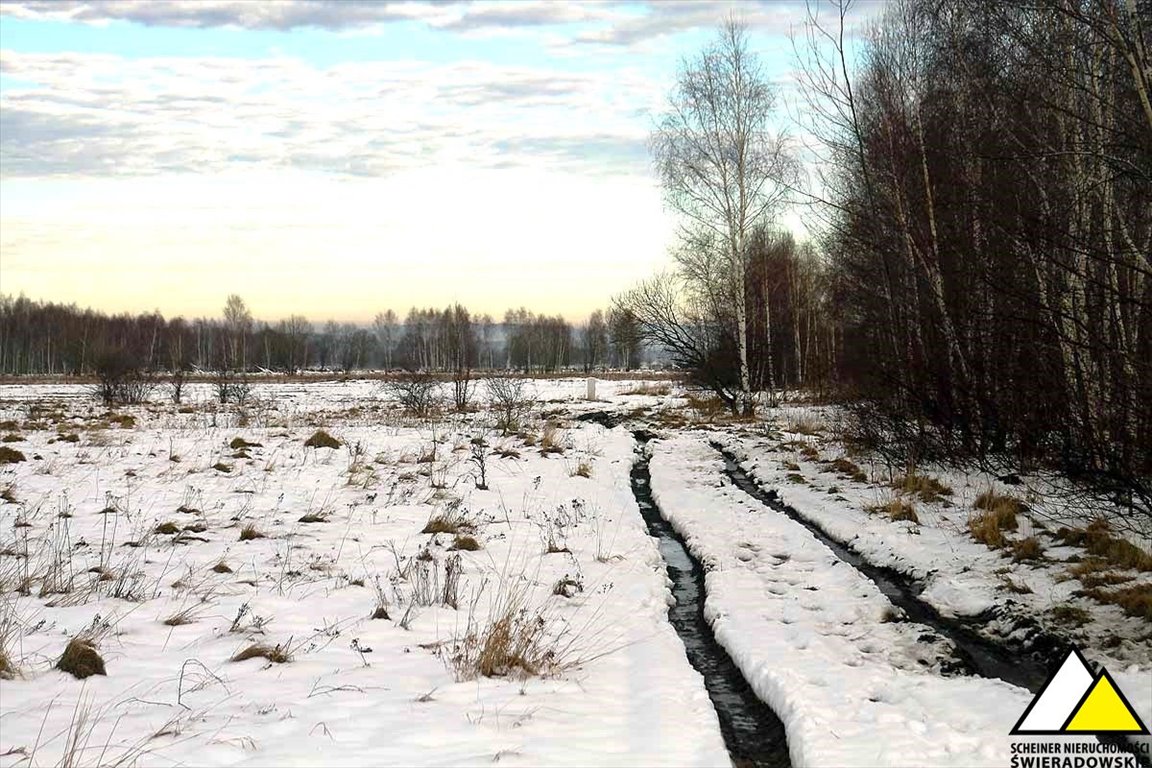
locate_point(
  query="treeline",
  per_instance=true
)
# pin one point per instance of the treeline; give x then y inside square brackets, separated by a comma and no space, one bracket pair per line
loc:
[47,338]
[990,232]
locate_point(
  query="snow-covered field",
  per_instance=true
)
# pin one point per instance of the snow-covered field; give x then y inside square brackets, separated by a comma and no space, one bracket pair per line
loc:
[148,533]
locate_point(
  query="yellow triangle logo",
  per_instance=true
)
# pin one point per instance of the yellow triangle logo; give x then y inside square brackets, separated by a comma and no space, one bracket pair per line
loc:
[1104,709]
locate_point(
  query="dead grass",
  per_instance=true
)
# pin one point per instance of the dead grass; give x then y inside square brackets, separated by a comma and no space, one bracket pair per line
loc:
[707,406]
[314,517]
[275,654]
[1136,600]
[167,528]
[1097,538]
[81,659]
[550,440]
[221,567]
[12,437]
[929,489]
[986,528]
[804,424]
[181,618]
[448,521]
[653,389]
[239,443]
[1072,615]
[896,510]
[465,543]
[583,469]
[849,468]
[321,439]
[10,455]
[1005,508]
[222,467]
[250,532]
[1027,550]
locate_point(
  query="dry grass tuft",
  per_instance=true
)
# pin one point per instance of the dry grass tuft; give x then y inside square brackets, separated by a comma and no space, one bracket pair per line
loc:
[929,489]
[1136,600]
[314,517]
[80,659]
[276,654]
[250,532]
[167,528]
[1027,550]
[465,543]
[804,424]
[986,528]
[221,567]
[239,444]
[1004,507]
[12,437]
[1097,538]
[707,406]
[321,439]
[10,455]
[181,618]
[583,469]
[1072,615]
[222,467]
[550,440]
[896,510]
[847,467]
[448,521]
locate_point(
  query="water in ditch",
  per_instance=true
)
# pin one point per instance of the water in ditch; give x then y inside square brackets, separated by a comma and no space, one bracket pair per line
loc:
[752,732]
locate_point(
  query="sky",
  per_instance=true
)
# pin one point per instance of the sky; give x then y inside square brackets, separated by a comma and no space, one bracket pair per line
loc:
[338,158]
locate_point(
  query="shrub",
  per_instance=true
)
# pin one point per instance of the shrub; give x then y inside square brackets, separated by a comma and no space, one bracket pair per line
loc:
[80,659]
[417,393]
[512,399]
[10,455]
[121,378]
[321,439]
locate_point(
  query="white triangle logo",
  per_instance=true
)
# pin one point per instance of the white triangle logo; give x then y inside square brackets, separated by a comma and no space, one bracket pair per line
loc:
[1050,710]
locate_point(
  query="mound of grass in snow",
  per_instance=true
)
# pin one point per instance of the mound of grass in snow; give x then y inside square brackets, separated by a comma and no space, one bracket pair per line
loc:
[10,455]
[276,654]
[896,510]
[1136,600]
[80,659]
[321,439]
[929,489]
[1097,538]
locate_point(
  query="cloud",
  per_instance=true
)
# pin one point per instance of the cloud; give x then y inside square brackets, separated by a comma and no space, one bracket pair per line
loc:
[612,23]
[97,115]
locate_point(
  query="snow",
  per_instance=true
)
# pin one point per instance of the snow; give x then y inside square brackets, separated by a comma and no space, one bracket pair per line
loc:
[810,635]
[172,696]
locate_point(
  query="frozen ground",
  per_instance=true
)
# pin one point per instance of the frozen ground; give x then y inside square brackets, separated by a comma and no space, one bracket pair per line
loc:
[82,555]
[563,557]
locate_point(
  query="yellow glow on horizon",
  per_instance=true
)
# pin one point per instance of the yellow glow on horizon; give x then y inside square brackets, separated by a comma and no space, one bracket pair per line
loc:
[332,248]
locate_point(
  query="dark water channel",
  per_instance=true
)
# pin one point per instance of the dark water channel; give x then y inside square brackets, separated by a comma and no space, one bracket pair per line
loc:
[975,654]
[752,732]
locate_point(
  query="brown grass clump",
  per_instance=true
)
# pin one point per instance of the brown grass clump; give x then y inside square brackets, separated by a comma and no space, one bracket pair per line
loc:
[275,654]
[167,528]
[583,469]
[239,443]
[1097,538]
[986,528]
[80,659]
[448,521]
[321,439]
[465,544]
[1136,600]
[314,517]
[706,406]
[186,616]
[1005,508]
[221,567]
[896,510]
[10,455]
[222,467]
[1027,550]
[70,438]
[250,532]
[550,440]
[847,467]
[810,453]
[1073,615]
[12,437]
[929,489]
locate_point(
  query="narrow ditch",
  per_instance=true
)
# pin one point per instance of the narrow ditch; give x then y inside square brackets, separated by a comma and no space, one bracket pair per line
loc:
[975,654]
[752,732]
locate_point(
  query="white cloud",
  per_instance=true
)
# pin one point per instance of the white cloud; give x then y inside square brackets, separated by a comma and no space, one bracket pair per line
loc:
[86,115]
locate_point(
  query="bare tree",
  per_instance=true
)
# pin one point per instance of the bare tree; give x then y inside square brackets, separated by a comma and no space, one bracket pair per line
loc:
[722,167]
[238,323]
